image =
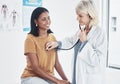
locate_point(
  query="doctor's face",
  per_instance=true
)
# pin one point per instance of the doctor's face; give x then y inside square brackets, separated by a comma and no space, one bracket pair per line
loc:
[83,19]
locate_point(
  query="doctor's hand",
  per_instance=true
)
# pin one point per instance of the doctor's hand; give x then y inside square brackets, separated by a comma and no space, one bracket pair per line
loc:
[83,35]
[51,45]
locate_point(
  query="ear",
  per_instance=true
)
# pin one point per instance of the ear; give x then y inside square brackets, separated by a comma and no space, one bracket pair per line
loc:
[90,17]
[35,21]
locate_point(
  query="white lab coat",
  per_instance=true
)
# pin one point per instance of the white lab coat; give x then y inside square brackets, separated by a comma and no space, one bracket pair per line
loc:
[91,60]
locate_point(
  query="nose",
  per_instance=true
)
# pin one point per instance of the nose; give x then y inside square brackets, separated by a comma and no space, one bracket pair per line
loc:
[48,21]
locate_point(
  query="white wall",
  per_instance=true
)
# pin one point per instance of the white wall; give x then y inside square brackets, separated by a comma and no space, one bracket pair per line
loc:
[63,24]
[114,49]
[12,60]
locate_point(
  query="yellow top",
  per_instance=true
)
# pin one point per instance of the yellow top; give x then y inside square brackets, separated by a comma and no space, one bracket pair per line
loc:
[46,58]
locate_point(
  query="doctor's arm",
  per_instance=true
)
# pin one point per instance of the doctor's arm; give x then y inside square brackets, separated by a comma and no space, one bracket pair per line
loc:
[66,43]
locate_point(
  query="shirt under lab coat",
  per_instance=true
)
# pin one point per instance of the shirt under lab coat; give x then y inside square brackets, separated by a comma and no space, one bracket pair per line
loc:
[91,59]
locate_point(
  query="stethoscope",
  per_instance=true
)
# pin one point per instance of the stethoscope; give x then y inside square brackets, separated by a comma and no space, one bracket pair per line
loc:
[81,28]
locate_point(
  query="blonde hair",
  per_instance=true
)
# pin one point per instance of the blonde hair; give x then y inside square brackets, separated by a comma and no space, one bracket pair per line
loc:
[88,7]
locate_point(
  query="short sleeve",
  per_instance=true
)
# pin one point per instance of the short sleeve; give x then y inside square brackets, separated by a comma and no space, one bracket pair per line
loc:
[52,37]
[29,46]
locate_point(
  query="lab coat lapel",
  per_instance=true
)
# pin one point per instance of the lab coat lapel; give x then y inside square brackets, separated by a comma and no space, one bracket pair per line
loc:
[90,33]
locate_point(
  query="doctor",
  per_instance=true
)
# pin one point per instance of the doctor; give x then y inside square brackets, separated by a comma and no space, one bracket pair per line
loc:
[90,46]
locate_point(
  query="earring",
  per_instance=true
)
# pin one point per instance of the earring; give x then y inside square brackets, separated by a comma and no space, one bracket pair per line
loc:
[36,25]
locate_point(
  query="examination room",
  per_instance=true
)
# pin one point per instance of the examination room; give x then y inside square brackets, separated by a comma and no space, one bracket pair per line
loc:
[77,42]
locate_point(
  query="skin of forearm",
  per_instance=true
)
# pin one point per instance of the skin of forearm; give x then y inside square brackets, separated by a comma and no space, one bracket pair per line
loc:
[60,71]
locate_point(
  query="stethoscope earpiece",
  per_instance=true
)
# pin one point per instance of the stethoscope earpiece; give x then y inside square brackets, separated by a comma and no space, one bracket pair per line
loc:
[81,27]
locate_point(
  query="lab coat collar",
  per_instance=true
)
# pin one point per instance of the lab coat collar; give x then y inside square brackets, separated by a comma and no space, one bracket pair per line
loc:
[91,32]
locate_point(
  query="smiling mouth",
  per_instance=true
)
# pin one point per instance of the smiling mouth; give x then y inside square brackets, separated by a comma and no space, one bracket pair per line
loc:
[47,25]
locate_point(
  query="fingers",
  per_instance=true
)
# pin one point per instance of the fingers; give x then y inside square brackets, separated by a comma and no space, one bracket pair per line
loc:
[69,82]
[49,46]
[49,43]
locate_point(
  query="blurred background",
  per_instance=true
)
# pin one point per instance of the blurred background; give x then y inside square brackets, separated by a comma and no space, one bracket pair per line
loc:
[14,26]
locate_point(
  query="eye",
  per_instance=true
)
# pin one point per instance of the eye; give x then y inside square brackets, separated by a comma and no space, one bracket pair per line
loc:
[43,19]
[80,15]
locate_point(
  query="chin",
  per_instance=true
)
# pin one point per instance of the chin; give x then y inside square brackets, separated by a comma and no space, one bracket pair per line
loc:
[48,28]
